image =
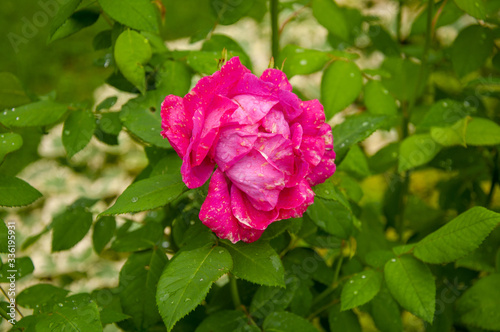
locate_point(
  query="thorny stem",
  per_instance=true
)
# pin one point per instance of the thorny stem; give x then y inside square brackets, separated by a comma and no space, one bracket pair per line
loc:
[294,15]
[15,305]
[275,38]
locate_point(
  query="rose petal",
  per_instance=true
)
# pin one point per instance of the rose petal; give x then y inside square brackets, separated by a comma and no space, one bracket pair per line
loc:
[274,122]
[324,170]
[176,123]
[293,202]
[289,104]
[257,178]
[234,142]
[312,117]
[313,149]
[247,214]
[251,108]
[277,150]
[216,213]
[250,84]
[196,176]
[276,77]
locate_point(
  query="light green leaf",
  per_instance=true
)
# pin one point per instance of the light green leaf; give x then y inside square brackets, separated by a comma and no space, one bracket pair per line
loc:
[412,285]
[457,238]
[355,163]
[16,192]
[132,52]
[478,306]
[9,142]
[343,320]
[453,135]
[444,113]
[23,266]
[256,262]
[147,194]
[40,113]
[353,130]
[142,117]
[138,284]
[173,78]
[332,217]
[103,231]
[12,93]
[360,289]
[341,84]
[332,18]
[78,130]
[218,42]
[417,150]
[378,100]
[475,8]
[287,322]
[482,131]
[476,38]
[64,12]
[70,227]
[76,22]
[301,61]
[203,62]
[137,14]
[187,279]
[229,12]
[402,83]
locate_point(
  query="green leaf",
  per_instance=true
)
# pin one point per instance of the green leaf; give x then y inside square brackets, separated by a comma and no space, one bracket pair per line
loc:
[478,306]
[70,227]
[343,320]
[22,267]
[143,238]
[110,123]
[301,61]
[137,14]
[287,322]
[9,142]
[353,130]
[329,190]
[203,62]
[16,192]
[378,100]
[73,315]
[332,217]
[223,321]
[40,113]
[457,238]
[76,22]
[132,52]
[355,163]
[41,294]
[477,38]
[229,12]
[444,113]
[412,285]
[482,131]
[218,42]
[385,158]
[256,262]
[402,82]
[385,312]
[4,234]
[107,103]
[304,258]
[268,299]
[78,130]
[63,13]
[103,231]
[475,8]
[453,135]
[138,284]
[360,289]
[417,150]
[187,279]
[173,78]
[142,117]
[332,18]
[341,84]
[12,93]
[148,194]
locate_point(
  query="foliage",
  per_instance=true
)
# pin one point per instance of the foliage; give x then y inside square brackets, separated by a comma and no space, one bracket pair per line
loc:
[406,232]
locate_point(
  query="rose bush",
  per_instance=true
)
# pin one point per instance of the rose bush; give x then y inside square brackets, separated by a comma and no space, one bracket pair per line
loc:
[269,148]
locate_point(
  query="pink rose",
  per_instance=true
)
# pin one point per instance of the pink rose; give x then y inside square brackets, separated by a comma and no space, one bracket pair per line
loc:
[268,145]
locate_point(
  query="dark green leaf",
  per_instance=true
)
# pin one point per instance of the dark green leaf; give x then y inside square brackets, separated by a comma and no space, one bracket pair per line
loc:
[307,263]
[40,113]
[12,93]
[332,18]
[444,113]
[103,231]
[341,84]
[138,283]
[137,14]
[229,12]
[173,78]
[63,13]
[218,42]
[70,227]
[132,52]
[78,130]
[76,22]
[302,61]
[41,294]
[478,306]
[476,38]
[22,267]
[385,312]
[403,80]
[148,194]
[143,238]
[343,320]
[187,279]
[287,322]
[110,123]
[102,40]
[9,142]
[385,158]
[355,163]
[106,104]
[256,262]
[203,62]
[223,321]
[458,237]
[332,217]
[360,289]
[4,234]
[16,192]
[412,285]
[475,8]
